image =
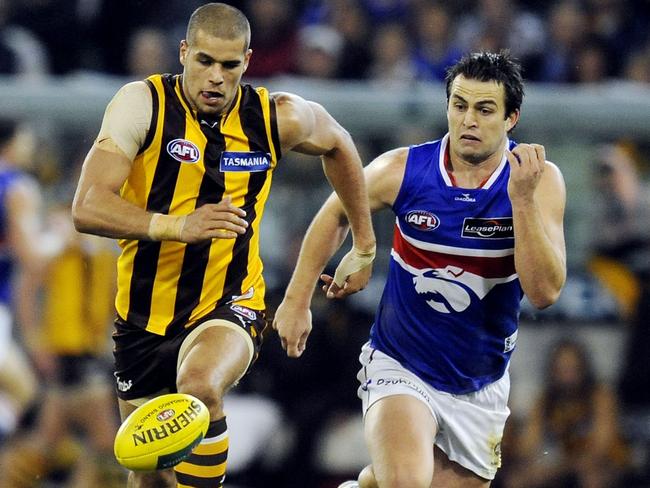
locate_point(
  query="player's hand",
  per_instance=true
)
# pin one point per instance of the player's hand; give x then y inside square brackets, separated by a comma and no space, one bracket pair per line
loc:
[293,323]
[527,163]
[351,275]
[214,220]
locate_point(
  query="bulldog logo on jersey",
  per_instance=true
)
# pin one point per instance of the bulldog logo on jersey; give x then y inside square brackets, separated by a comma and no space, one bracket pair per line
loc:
[249,161]
[183,150]
[422,220]
[449,289]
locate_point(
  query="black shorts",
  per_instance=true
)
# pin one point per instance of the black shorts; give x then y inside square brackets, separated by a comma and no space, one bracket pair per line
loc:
[145,363]
[82,370]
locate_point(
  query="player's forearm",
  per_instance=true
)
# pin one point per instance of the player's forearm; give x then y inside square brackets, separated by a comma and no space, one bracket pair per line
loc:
[540,265]
[101,212]
[345,173]
[324,237]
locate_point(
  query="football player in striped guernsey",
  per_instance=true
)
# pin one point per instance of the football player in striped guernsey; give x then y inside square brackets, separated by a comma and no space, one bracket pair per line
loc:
[180,172]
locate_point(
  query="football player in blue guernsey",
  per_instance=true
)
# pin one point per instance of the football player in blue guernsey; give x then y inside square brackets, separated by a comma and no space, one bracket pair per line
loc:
[479,223]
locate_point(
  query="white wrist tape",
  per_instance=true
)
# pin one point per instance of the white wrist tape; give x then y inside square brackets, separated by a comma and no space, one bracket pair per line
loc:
[353,261]
[166,227]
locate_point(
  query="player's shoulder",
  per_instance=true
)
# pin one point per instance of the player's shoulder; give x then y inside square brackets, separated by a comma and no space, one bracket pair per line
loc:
[134,92]
[394,158]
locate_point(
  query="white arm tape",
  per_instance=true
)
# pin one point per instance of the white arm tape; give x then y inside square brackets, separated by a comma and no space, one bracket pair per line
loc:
[166,227]
[353,261]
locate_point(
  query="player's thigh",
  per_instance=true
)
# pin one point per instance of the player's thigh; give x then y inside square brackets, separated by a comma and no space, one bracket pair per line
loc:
[400,431]
[215,359]
[448,474]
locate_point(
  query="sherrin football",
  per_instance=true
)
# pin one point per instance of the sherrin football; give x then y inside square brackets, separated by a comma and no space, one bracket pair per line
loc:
[162,432]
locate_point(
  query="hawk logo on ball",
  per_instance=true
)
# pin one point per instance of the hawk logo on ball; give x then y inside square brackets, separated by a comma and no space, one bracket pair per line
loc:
[422,220]
[183,150]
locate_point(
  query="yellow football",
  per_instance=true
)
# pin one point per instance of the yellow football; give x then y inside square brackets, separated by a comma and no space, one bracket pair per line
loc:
[162,432]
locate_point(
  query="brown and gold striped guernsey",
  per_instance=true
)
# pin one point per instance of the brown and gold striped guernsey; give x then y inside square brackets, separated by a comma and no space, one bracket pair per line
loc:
[165,286]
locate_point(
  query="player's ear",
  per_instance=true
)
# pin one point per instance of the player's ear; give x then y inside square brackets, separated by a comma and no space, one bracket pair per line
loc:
[182,55]
[512,120]
[247,58]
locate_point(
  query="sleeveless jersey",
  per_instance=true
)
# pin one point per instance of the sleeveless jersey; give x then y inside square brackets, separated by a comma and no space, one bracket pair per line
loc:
[186,163]
[7,178]
[78,298]
[450,306]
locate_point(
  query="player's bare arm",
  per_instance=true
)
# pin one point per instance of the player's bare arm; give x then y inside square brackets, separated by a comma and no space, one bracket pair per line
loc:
[383,180]
[538,196]
[323,238]
[98,207]
[306,127]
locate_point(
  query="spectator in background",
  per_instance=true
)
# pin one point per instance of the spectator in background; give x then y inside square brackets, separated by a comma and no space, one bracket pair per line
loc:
[391,58]
[612,22]
[620,255]
[621,259]
[21,53]
[499,24]
[148,53]
[637,67]
[591,64]
[355,27]
[273,38]
[567,29]
[572,435]
[58,28]
[319,51]
[435,49]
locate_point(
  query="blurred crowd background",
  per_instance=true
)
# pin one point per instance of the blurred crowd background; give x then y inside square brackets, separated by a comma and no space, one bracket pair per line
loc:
[581,373]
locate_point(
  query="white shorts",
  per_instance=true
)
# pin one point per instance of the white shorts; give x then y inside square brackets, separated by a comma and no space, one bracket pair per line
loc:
[469,427]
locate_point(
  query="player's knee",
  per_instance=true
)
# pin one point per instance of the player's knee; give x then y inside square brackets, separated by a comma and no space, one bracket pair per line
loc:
[209,390]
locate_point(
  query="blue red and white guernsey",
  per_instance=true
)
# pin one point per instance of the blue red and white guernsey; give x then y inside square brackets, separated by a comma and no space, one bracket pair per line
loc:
[450,306]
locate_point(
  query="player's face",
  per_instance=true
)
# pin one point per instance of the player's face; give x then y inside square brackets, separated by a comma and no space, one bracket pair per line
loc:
[476,117]
[212,70]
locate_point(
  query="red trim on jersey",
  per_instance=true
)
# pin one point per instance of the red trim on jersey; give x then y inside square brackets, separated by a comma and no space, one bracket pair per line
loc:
[487,267]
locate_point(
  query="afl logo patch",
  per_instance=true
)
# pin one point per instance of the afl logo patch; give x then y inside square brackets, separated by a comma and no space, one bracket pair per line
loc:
[422,220]
[183,150]
[165,415]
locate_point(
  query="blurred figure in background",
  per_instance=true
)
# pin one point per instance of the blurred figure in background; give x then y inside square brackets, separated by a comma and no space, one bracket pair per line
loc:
[149,52]
[621,255]
[567,29]
[571,438]
[273,38]
[391,57]
[25,248]
[319,51]
[502,24]
[77,417]
[435,49]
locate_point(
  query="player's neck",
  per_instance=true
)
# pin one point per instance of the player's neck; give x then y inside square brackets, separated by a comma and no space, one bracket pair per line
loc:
[467,174]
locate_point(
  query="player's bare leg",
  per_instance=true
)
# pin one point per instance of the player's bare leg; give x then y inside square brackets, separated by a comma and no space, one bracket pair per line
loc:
[399,431]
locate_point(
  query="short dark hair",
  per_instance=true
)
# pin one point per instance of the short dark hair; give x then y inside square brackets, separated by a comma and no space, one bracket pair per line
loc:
[489,66]
[219,20]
